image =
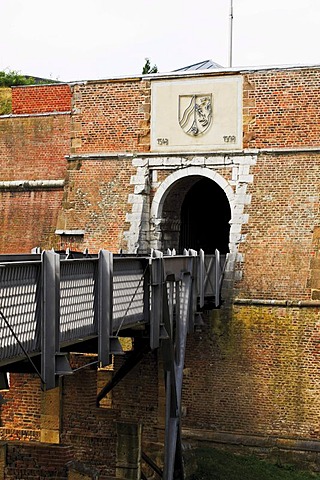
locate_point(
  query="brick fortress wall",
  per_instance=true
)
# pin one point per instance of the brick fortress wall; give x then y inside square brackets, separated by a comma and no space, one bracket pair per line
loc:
[33,144]
[280,111]
[110,123]
[259,362]
[251,371]
[41,99]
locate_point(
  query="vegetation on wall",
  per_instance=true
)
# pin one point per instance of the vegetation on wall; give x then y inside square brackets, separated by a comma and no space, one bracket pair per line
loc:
[12,78]
[148,69]
[5,101]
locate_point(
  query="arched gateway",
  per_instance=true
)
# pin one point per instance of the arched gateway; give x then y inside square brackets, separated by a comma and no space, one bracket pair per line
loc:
[192,209]
[158,161]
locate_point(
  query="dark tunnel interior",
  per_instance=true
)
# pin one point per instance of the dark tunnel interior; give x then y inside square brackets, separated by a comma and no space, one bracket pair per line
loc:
[205,216]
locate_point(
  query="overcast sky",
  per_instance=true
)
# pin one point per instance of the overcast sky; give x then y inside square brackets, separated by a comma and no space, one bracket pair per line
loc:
[79,40]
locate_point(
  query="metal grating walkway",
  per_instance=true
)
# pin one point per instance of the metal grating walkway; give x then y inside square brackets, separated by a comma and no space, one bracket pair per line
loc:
[50,303]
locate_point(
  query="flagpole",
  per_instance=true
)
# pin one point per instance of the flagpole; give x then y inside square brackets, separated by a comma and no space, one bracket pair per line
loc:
[231,32]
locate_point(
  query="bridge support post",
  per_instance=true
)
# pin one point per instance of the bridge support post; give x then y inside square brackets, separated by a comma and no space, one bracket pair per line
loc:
[156,311]
[105,305]
[50,419]
[201,278]
[50,315]
[194,293]
[53,362]
[129,451]
[174,354]
[217,278]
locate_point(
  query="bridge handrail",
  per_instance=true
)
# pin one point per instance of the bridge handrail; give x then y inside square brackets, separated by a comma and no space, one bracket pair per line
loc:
[54,300]
[19,303]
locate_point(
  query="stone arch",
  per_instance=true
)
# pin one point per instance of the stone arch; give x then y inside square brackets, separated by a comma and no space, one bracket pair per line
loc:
[161,193]
[165,225]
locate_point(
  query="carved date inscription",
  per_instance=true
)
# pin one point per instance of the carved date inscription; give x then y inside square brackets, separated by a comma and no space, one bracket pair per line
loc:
[229,138]
[163,141]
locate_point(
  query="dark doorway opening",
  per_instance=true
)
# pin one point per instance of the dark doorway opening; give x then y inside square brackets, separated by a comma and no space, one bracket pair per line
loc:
[205,215]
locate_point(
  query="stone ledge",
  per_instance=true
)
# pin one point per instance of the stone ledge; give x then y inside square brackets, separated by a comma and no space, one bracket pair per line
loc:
[22,185]
[258,441]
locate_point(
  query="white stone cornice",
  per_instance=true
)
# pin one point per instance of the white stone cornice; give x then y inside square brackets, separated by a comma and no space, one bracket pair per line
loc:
[31,184]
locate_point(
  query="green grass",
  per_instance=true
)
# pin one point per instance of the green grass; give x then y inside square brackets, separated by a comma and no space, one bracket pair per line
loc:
[212,464]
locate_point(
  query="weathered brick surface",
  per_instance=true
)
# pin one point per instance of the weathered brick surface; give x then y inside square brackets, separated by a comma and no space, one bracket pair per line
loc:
[251,370]
[88,433]
[142,383]
[34,148]
[283,214]
[281,108]
[20,414]
[90,430]
[31,149]
[258,373]
[41,99]
[111,117]
[97,202]
[37,461]
[28,219]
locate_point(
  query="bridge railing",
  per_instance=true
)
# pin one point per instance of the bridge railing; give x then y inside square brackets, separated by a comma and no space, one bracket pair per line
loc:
[20,308]
[129,291]
[52,301]
[78,279]
[211,271]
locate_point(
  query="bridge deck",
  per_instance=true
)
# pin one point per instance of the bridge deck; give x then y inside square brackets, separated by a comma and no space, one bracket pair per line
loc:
[84,296]
[53,303]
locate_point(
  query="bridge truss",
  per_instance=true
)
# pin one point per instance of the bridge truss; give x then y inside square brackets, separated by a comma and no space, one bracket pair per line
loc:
[55,303]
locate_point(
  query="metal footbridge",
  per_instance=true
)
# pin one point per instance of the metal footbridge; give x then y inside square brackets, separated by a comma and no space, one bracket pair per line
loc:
[53,303]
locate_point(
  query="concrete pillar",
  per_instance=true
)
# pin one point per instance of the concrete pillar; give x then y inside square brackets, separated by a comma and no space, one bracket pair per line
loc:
[50,420]
[128,462]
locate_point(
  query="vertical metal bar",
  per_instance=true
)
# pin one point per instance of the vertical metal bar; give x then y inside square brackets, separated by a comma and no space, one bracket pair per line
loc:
[194,289]
[105,305]
[217,279]
[170,429]
[146,295]
[186,287]
[201,276]
[50,317]
[177,309]
[174,376]
[156,263]
[171,293]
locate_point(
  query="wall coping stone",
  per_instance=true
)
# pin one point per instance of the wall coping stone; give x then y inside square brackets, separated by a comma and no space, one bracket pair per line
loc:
[31,184]
[286,443]
[26,115]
